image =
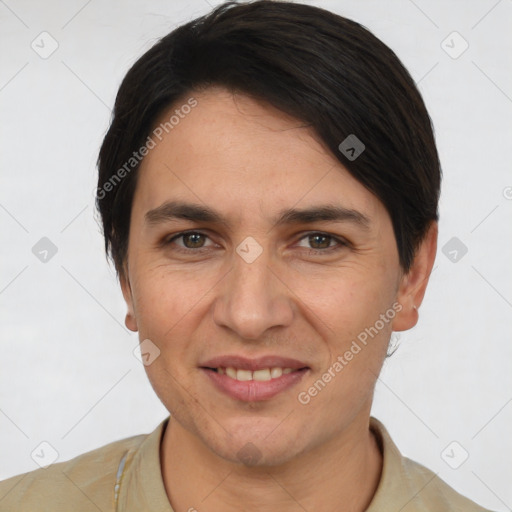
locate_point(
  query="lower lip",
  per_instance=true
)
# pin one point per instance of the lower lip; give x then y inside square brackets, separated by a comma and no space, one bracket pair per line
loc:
[254,390]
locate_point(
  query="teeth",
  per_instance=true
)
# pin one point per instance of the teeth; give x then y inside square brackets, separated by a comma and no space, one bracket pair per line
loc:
[258,375]
[231,372]
[262,374]
[277,372]
[243,375]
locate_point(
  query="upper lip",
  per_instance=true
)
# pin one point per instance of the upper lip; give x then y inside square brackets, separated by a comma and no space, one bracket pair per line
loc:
[260,363]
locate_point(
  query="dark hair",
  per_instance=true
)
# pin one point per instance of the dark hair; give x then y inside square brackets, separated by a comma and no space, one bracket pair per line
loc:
[314,65]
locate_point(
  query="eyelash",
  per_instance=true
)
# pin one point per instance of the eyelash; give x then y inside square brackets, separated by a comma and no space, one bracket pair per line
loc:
[340,242]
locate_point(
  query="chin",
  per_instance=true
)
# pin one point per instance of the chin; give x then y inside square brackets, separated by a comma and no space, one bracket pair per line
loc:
[252,456]
[252,447]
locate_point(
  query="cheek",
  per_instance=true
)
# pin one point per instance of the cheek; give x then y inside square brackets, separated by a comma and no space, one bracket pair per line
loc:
[169,305]
[355,314]
[165,299]
[359,316]
[348,301]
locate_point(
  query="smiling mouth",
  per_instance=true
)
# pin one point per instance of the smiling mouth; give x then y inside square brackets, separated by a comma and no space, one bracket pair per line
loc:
[262,375]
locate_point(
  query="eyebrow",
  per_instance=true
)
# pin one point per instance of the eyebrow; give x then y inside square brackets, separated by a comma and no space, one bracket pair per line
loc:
[172,210]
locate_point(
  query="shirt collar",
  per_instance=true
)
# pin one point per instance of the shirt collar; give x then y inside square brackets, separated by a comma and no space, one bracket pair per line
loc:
[141,486]
[397,486]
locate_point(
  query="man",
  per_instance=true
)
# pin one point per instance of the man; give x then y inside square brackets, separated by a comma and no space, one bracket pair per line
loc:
[268,190]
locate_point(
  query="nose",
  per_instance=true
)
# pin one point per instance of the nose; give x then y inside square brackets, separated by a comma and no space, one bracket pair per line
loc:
[253,299]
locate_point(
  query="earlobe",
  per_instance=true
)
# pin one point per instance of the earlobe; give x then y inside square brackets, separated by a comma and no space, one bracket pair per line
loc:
[414,283]
[130,322]
[130,319]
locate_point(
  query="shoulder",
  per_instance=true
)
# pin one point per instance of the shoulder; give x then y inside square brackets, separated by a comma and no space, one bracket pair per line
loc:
[434,494]
[83,483]
[411,487]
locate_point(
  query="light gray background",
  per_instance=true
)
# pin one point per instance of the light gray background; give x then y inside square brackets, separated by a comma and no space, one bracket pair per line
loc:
[67,372]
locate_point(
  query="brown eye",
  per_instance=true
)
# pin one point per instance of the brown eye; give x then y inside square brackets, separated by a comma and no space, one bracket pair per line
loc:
[193,240]
[189,241]
[319,241]
[322,243]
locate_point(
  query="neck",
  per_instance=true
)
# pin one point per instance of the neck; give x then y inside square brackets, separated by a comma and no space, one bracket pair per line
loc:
[344,471]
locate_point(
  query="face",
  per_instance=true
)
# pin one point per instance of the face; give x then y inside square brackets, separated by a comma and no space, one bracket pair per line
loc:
[252,250]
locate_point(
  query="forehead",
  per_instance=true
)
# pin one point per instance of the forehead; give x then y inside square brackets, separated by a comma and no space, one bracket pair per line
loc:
[237,154]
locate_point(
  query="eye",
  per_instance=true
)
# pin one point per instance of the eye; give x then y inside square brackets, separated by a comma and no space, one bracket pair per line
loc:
[190,240]
[322,242]
[195,241]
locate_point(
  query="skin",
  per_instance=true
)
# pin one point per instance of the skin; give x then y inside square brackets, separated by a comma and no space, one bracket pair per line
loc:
[249,161]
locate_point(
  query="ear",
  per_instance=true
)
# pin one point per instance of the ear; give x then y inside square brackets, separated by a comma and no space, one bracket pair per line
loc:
[414,283]
[130,319]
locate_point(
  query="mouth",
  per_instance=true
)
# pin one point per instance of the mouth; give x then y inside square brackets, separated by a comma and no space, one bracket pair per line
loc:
[263,375]
[252,380]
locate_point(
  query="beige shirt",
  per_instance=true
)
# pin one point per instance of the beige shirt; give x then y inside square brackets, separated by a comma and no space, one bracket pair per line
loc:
[125,476]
